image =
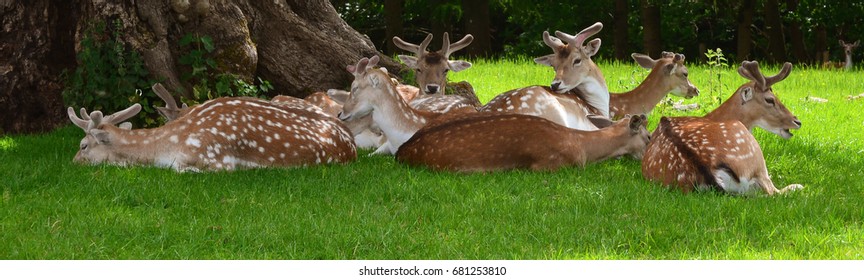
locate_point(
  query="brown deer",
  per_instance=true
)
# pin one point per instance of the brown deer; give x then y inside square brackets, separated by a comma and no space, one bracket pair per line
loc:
[847,50]
[431,68]
[485,141]
[578,90]
[718,150]
[372,94]
[220,134]
[668,75]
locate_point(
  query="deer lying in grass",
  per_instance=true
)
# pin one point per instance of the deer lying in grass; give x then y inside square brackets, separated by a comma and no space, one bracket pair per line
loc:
[483,142]
[220,134]
[372,94]
[718,150]
[668,75]
[578,90]
[431,68]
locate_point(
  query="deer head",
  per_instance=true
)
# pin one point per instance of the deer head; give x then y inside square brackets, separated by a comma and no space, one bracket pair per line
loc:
[848,48]
[672,66]
[366,80]
[430,68]
[759,105]
[571,61]
[96,145]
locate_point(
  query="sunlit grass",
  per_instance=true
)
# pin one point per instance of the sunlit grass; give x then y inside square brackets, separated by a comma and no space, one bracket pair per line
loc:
[377,209]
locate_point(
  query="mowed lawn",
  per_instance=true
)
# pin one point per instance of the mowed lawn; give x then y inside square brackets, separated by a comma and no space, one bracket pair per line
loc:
[375,208]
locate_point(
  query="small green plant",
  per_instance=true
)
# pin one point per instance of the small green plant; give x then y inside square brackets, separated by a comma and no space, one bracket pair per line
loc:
[110,76]
[717,68]
[204,76]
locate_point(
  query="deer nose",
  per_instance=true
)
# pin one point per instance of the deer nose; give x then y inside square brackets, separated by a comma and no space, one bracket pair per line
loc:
[555,86]
[797,122]
[432,88]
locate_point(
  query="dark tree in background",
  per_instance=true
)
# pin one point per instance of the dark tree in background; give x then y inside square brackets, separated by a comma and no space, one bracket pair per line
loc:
[477,23]
[774,31]
[746,10]
[622,9]
[299,46]
[651,38]
[393,15]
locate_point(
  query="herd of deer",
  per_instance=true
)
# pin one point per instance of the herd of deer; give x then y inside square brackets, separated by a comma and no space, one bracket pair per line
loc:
[573,121]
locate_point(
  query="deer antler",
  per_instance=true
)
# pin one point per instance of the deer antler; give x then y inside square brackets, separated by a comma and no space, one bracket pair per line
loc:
[750,71]
[448,49]
[170,111]
[417,50]
[363,65]
[94,119]
[784,72]
[579,38]
[552,42]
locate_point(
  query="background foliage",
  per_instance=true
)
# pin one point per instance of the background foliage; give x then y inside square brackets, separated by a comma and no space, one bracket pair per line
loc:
[690,27]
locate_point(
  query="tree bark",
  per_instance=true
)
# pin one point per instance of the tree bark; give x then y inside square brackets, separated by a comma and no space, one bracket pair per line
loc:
[774,30]
[299,46]
[745,34]
[393,18]
[477,23]
[620,26]
[651,39]
[821,44]
[796,35]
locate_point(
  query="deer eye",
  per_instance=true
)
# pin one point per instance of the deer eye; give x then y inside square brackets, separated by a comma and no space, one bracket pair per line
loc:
[577,61]
[84,146]
[770,101]
[446,70]
[419,71]
[686,74]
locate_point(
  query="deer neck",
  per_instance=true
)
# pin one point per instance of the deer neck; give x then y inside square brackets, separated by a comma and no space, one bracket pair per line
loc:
[145,146]
[600,144]
[643,98]
[397,120]
[732,110]
[595,92]
[848,61]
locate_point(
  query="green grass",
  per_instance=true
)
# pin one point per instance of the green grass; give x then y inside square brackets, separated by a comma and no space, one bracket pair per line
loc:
[374,208]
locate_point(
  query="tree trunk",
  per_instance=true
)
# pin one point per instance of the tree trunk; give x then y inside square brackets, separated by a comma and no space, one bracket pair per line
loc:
[620,26]
[299,46]
[796,35]
[393,15]
[651,38]
[477,23]
[821,44]
[745,34]
[774,30]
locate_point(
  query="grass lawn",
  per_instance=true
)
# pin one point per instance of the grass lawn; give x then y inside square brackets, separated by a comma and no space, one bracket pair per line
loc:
[374,208]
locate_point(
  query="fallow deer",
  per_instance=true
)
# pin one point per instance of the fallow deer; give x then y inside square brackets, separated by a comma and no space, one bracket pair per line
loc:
[371,93]
[578,90]
[486,141]
[718,150]
[220,134]
[668,75]
[847,49]
[431,68]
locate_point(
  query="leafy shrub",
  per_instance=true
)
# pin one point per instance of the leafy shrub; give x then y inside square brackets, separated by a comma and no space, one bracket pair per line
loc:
[110,76]
[204,76]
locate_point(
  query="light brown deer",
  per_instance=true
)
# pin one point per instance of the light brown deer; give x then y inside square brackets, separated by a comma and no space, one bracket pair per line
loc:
[483,142]
[718,150]
[431,68]
[578,90]
[220,134]
[668,75]
[372,94]
[847,50]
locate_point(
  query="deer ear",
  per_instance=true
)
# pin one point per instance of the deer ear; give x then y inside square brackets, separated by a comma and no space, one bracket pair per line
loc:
[637,122]
[125,125]
[351,68]
[409,61]
[102,136]
[338,95]
[599,121]
[459,65]
[746,94]
[841,42]
[545,60]
[644,60]
[592,47]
